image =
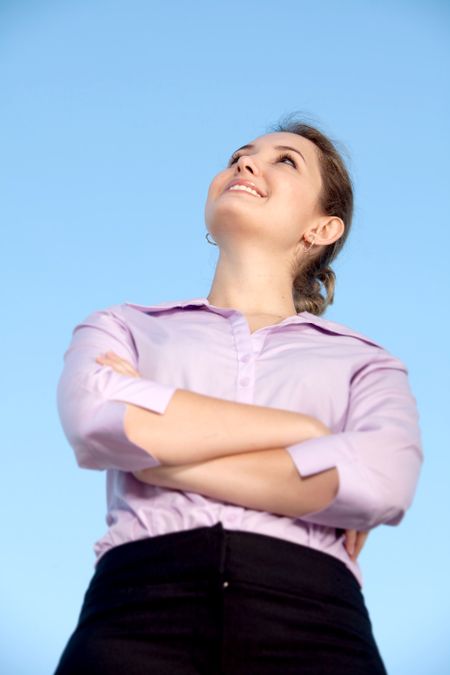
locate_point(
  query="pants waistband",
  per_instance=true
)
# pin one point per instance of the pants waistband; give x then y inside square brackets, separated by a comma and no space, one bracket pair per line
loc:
[214,552]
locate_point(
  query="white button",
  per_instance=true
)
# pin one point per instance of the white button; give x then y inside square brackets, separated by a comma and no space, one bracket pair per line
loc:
[225,584]
[245,358]
[245,381]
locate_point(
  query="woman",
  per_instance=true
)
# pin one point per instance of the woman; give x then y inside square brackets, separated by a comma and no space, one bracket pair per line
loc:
[250,444]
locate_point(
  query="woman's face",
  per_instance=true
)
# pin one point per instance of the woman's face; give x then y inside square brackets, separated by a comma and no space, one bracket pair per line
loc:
[289,181]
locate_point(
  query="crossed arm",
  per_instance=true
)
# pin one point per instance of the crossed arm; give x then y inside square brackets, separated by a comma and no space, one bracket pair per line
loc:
[264,480]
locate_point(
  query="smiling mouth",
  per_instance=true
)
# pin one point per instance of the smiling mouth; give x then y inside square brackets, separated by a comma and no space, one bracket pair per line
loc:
[243,189]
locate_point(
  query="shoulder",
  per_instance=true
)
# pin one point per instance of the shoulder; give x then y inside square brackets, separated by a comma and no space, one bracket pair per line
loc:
[99,315]
[375,351]
[340,329]
[125,314]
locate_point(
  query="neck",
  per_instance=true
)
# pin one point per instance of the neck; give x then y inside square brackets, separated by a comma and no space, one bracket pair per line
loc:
[253,286]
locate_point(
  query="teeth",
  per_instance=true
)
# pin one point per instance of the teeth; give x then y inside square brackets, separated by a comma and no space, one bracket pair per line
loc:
[244,187]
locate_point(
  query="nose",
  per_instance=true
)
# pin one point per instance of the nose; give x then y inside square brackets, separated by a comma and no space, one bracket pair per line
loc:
[246,163]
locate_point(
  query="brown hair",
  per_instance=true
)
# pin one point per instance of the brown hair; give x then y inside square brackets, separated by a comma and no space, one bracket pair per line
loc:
[336,199]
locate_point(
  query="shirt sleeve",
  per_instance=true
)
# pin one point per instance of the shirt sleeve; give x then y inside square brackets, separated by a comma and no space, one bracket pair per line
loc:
[378,455]
[92,398]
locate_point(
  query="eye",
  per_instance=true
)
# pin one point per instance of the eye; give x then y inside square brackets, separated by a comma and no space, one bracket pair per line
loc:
[233,159]
[289,157]
[284,156]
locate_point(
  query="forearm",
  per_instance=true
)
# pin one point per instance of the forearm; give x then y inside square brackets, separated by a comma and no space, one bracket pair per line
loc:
[263,480]
[198,428]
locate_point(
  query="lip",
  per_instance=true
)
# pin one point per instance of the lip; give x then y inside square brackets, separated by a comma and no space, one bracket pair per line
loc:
[247,183]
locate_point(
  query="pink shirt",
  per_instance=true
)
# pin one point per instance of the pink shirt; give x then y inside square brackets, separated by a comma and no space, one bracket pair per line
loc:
[304,364]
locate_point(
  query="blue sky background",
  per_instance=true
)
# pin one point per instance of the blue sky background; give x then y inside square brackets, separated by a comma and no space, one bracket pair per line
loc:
[115,116]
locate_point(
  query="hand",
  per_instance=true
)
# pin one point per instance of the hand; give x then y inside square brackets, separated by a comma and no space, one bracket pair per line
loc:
[354,541]
[117,363]
[172,477]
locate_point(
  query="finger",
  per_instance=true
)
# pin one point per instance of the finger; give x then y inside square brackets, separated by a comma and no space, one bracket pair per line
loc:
[131,370]
[128,369]
[115,357]
[111,357]
[118,368]
[107,358]
[360,541]
[350,541]
[104,360]
[360,538]
[118,364]
[120,359]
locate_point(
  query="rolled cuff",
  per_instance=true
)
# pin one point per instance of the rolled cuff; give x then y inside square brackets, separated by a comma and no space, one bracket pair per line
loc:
[94,424]
[362,501]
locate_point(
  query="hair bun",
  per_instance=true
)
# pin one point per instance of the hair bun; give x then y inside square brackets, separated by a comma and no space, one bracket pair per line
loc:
[308,290]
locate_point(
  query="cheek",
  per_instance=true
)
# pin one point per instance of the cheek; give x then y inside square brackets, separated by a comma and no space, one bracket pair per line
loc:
[213,191]
[302,200]
[220,178]
[216,186]
[211,197]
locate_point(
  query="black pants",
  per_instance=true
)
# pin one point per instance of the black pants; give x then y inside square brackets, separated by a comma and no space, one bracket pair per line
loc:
[213,601]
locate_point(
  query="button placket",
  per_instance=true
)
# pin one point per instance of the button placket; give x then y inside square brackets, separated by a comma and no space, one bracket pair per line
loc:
[245,364]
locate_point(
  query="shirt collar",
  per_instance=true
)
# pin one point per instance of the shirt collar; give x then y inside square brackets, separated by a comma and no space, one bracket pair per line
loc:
[325,325]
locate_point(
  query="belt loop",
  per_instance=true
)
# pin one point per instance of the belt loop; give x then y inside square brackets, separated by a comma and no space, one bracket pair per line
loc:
[219,537]
[223,550]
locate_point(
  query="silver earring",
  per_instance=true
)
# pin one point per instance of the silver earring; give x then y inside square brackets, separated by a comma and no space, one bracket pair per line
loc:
[311,244]
[207,239]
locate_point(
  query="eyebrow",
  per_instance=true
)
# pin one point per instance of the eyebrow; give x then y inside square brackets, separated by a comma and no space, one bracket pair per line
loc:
[277,147]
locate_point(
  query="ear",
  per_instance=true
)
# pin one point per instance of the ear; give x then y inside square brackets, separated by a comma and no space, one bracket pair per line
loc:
[328,230]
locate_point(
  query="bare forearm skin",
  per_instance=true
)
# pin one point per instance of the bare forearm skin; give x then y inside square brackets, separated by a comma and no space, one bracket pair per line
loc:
[263,480]
[198,428]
